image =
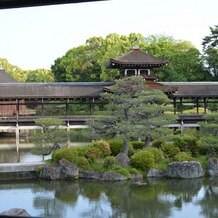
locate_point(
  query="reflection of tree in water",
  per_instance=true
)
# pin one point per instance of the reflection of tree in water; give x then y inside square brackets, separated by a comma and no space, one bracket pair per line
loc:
[121,199]
[209,203]
[65,192]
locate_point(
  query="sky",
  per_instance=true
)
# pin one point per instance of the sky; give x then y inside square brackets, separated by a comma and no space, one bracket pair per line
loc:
[33,37]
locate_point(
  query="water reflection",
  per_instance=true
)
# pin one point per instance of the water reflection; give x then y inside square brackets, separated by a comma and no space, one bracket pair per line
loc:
[164,198]
[22,151]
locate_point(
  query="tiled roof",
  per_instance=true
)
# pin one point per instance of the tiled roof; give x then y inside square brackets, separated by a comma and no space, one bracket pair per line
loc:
[136,57]
[51,90]
[195,89]
[5,77]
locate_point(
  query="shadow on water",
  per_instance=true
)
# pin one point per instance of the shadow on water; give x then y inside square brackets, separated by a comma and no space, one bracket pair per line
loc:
[82,198]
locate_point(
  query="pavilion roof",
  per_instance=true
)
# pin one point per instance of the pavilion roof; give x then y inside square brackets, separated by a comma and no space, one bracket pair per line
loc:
[194,89]
[12,91]
[136,58]
[5,77]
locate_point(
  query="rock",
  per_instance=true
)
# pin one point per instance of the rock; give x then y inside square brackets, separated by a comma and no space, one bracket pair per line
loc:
[136,178]
[123,160]
[90,175]
[155,173]
[184,170]
[68,169]
[16,212]
[213,167]
[51,172]
[108,176]
[62,170]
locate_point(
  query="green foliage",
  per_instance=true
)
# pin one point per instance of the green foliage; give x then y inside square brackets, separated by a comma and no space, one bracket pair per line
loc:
[208,145]
[157,143]
[187,144]
[143,159]
[158,154]
[48,122]
[88,62]
[69,153]
[39,75]
[210,49]
[116,145]
[170,150]
[203,160]
[109,162]
[97,150]
[183,156]
[82,162]
[138,145]
[137,112]
[121,170]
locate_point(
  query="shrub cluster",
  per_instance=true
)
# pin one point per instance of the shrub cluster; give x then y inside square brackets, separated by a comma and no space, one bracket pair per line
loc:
[97,150]
[183,156]
[187,144]
[138,145]
[170,150]
[143,159]
[116,144]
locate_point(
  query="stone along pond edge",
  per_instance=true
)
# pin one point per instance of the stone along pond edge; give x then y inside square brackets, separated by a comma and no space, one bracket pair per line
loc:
[67,170]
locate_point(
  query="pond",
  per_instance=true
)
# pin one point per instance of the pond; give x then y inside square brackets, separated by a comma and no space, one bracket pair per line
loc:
[23,152]
[67,199]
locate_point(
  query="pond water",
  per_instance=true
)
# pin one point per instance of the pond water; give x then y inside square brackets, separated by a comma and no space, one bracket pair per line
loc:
[67,199]
[23,152]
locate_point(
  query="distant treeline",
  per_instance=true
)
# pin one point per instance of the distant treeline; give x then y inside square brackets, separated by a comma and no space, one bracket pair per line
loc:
[88,62]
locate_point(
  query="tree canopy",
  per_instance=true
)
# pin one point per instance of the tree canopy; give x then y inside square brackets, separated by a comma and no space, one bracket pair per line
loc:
[38,75]
[88,62]
[210,49]
[136,112]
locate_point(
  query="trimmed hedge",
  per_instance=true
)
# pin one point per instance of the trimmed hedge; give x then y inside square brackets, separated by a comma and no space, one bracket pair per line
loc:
[69,153]
[138,145]
[143,159]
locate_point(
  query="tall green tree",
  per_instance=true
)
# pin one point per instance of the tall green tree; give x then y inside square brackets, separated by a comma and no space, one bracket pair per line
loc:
[136,111]
[88,62]
[210,49]
[39,75]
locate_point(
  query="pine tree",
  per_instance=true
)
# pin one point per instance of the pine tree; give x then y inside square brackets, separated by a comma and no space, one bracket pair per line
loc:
[136,112]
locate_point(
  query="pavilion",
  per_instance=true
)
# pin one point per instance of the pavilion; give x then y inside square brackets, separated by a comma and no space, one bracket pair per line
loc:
[137,62]
[19,100]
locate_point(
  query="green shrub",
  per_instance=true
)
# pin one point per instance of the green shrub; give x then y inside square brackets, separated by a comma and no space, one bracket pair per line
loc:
[121,170]
[158,154]
[69,153]
[97,150]
[133,171]
[82,162]
[138,145]
[187,144]
[177,132]
[170,150]
[209,146]
[143,159]
[116,144]
[81,150]
[183,156]
[109,162]
[157,143]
